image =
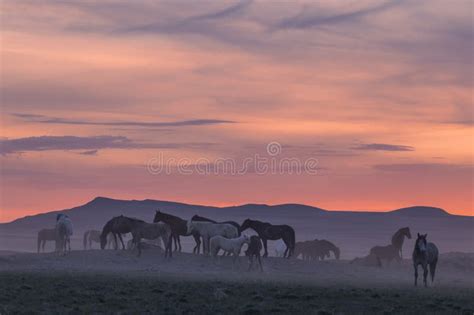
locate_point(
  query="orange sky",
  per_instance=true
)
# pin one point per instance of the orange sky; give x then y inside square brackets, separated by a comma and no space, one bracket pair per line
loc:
[378,92]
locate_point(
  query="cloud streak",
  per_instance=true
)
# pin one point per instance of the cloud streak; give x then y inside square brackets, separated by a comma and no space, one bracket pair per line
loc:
[304,20]
[383,147]
[91,144]
[424,168]
[63,121]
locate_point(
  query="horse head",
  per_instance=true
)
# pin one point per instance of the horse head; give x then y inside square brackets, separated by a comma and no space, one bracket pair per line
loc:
[103,240]
[246,239]
[158,216]
[407,233]
[420,244]
[245,225]
[189,227]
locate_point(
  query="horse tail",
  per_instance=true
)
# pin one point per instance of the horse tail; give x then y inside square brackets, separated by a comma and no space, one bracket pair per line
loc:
[336,251]
[433,270]
[39,241]
[86,234]
[292,242]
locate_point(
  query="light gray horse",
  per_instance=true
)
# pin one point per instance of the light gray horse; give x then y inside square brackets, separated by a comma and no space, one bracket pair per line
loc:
[425,254]
[64,232]
[207,230]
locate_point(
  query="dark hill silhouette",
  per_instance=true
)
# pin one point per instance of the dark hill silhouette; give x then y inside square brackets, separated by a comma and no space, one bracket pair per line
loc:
[354,232]
[421,211]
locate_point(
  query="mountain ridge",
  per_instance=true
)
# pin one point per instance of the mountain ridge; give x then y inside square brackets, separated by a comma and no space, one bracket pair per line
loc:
[353,231]
[107,202]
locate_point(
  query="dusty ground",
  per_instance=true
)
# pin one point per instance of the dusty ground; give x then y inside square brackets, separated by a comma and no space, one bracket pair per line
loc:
[119,282]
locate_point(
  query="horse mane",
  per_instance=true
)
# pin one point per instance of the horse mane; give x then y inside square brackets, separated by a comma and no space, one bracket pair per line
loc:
[199,218]
[258,221]
[133,219]
[170,216]
[398,236]
[108,226]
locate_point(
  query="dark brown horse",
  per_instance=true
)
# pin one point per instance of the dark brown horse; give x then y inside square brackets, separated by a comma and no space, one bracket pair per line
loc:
[45,235]
[253,250]
[424,254]
[118,226]
[387,253]
[178,228]
[326,246]
[267,231]
[204,219]
[399,237]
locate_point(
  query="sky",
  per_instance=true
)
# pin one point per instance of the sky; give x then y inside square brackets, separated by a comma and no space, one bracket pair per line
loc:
[351,105]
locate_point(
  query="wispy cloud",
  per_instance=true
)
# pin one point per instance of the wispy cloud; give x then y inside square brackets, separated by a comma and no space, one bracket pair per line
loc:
[89,152]
[424,167]
[383,147]
[305,20]
[64,121]
[226,12]
[91,144]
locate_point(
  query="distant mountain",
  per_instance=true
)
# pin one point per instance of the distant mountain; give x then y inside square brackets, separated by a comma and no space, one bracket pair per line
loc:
[354,232]
[421,211]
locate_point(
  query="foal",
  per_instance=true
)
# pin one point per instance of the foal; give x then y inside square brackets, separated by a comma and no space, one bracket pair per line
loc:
[230,245]
[254,249]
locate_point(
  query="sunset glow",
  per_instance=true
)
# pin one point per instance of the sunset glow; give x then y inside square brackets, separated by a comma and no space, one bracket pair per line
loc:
[379,92]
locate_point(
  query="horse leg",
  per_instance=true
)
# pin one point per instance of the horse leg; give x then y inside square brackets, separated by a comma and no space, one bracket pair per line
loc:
[260,262]
[250,262]
[416,274]
[264,240]
[207,245]
[236,255]
[175,242]
[139,246]
[169,247]
[115,241]
[179,243]
[425,273]
[121,240]
[197,239]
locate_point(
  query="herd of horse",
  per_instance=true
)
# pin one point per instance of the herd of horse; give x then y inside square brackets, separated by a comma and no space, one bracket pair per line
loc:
[227,236]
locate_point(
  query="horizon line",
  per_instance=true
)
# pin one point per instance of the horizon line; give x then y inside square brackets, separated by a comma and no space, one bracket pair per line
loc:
[240,205]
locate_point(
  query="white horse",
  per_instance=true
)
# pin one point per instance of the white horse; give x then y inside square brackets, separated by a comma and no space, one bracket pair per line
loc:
[280,248]
[230,245]
[64,232]
[207,230]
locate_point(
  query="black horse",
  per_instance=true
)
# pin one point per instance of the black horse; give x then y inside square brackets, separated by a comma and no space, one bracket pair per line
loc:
[178,228]
[267,231]
[204,219]
[425,254]
[118,226]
